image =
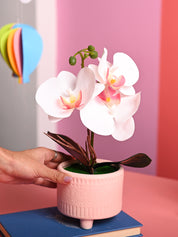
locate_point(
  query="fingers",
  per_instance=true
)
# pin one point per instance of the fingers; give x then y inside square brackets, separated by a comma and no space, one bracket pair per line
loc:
[55,156]
[54,175]
[44,183]
[60,156]
[52,165]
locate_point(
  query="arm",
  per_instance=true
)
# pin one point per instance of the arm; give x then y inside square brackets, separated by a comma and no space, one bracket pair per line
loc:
[35,166]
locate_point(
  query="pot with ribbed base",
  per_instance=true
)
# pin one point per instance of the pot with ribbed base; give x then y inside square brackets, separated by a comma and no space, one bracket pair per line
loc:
[90,197]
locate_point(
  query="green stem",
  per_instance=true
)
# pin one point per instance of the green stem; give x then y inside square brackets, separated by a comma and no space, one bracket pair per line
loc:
[92,138]
[84,53]
[82,59]
[82,65]
[80,51]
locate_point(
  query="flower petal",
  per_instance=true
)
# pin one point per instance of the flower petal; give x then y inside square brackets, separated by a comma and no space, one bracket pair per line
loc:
[60,115]
[126,67]
[110,97]
[53,119]
[127,108]
[96,117]
[67,81]
[127,90]
[103,65]
[124,131]
[94,68]
[86,83]
[47,97]
[98,89]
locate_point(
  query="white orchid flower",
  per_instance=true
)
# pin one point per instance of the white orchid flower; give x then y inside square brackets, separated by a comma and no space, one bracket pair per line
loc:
[59,96]
[120,76]
[111,118]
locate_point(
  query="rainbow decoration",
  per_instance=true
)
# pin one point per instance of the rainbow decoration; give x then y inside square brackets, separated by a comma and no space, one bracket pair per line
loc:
[21,48]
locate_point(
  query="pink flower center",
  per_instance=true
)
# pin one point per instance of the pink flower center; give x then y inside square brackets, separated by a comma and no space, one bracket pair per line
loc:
[110,96]
[72,101]
[113,81]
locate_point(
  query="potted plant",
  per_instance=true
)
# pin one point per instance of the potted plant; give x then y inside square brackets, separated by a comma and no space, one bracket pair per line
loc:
[106,99]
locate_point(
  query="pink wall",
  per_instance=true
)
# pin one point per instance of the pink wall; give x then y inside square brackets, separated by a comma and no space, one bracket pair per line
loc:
[132,27]
[168,122]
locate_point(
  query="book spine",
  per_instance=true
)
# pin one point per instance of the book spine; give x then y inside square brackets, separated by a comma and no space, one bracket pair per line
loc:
[3,232]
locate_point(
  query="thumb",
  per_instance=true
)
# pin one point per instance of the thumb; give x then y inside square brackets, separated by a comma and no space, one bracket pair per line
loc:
[54,175]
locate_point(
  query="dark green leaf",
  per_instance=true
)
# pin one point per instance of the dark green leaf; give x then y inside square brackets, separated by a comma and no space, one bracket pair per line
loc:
[72,147]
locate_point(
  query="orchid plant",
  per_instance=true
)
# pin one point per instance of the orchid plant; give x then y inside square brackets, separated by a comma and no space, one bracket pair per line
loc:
[106,100]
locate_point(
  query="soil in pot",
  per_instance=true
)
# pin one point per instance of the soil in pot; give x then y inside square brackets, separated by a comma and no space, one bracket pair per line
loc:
[79,168]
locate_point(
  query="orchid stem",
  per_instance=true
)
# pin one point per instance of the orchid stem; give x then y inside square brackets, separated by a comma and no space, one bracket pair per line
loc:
[83,57]
[82,65]
[85,53]
[92,138]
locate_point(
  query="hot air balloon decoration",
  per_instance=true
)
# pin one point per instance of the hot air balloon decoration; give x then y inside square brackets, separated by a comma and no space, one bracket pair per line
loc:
[21,47]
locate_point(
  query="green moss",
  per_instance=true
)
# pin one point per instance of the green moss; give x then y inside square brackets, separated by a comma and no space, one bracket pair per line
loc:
[79,168]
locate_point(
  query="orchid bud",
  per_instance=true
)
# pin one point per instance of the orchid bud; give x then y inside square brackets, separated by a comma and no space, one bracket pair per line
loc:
[91,48]
[72,60]
[93,54]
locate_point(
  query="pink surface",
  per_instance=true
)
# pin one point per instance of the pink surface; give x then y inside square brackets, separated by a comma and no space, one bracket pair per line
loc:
[154,202]
[151,200]
[132,27]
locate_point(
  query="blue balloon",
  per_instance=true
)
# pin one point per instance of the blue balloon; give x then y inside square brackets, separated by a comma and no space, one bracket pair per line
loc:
[32,47]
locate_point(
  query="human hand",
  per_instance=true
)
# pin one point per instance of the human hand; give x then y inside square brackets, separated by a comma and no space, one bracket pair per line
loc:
[34,166]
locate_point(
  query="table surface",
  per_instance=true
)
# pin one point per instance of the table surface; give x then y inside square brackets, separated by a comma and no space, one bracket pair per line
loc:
[151,200]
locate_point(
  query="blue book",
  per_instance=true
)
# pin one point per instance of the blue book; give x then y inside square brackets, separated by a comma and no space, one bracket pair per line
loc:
[49,222]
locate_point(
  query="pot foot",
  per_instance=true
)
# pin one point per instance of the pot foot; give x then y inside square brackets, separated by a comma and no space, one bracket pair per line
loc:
[86,224]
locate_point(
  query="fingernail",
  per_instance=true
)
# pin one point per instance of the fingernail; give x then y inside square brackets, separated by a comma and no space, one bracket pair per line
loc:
[67,179]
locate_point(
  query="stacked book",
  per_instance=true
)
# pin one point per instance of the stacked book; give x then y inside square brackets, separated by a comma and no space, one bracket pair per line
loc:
[49,222]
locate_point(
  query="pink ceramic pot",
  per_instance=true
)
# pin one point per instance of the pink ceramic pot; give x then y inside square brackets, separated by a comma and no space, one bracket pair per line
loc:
[90,197]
